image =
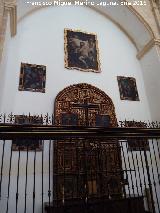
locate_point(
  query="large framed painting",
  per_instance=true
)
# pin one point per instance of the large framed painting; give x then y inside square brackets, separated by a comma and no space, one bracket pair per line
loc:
[81,51]
[32,78]
[27,144]
[137,144]
[128,88]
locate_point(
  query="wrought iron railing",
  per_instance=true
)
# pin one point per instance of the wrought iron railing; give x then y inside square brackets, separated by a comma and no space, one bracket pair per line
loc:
[47,168]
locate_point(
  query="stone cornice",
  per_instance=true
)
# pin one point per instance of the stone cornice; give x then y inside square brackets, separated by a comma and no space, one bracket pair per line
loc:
[12,9]
[147,47]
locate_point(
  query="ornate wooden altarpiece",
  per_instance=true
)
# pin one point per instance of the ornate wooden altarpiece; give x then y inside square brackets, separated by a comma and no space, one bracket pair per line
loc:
[86,168]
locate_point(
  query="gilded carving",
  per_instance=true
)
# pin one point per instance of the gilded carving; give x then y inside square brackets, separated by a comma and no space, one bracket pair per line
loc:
[85,105]
[95,99]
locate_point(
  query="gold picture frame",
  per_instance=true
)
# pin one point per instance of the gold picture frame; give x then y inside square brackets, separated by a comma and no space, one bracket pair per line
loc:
[81,51]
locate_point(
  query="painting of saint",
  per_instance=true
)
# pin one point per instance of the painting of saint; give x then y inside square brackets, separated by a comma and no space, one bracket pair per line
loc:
[69,119]
[32,78]
[128,88]
[81,51]
[137,144]
[27,144]
[102,120]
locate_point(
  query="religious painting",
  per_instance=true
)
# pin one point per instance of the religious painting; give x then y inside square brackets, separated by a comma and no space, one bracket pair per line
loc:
[128,88]
[27,144]
[32,78]
[137,144]
[102,120]
[81,51]
[69,119]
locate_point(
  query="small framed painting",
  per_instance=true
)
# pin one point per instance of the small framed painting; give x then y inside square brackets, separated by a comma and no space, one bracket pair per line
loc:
[137,144]
[81,51]
[69,119]
[102,120]
[32,78]
[128,88]
[27,144]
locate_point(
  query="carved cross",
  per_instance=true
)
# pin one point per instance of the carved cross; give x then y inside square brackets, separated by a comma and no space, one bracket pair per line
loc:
[86,106]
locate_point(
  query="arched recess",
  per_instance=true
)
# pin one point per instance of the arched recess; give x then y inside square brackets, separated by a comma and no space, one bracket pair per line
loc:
[84,105]
[124,17]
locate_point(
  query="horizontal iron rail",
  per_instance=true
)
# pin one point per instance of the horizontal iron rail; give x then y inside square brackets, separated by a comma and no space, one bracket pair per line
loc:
[10,131]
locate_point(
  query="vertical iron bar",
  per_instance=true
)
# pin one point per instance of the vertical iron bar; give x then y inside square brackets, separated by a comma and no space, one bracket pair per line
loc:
[143,171]
[77,169]
[125,169]
[73,160]
[1,177]
[42,171]
[154,182]
[139,176]
[56,172]
[106,191]
[17,195]
[49,191]
[85,173]
[26,181]
[134,169]
[149,181]
[119,163]
[129,164]
[64,173]
[9,180]
[99,168]
[34,180]
[156,171]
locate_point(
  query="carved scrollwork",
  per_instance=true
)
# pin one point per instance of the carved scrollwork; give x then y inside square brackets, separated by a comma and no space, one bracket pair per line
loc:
[74,98]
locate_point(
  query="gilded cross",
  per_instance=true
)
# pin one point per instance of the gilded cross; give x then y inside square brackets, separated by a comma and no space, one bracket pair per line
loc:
[86,106]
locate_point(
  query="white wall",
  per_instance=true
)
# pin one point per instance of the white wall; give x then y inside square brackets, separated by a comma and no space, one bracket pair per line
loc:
[40,40]
[151,75]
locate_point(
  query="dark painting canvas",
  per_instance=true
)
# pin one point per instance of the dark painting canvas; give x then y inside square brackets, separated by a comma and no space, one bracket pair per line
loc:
[137,144]
[81,51]
[32,78]
[102,120]
[69,119]
[27,144]
[128,88]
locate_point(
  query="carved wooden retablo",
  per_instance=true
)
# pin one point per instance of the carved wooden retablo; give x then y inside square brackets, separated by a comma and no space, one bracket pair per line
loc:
[85,101]
[86,168]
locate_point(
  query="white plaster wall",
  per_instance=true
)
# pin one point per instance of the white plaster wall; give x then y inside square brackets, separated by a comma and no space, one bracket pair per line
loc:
[151,75]
[40,40]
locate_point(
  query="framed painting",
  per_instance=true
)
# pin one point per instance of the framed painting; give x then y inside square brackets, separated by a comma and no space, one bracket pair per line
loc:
[27,144]
[32,78]
[69,119]
[102,120]
[137,144]
[81,51]
[128,88]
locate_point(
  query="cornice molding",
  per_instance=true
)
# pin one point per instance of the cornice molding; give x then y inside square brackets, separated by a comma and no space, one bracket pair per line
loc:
[147,47]
[12,9]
